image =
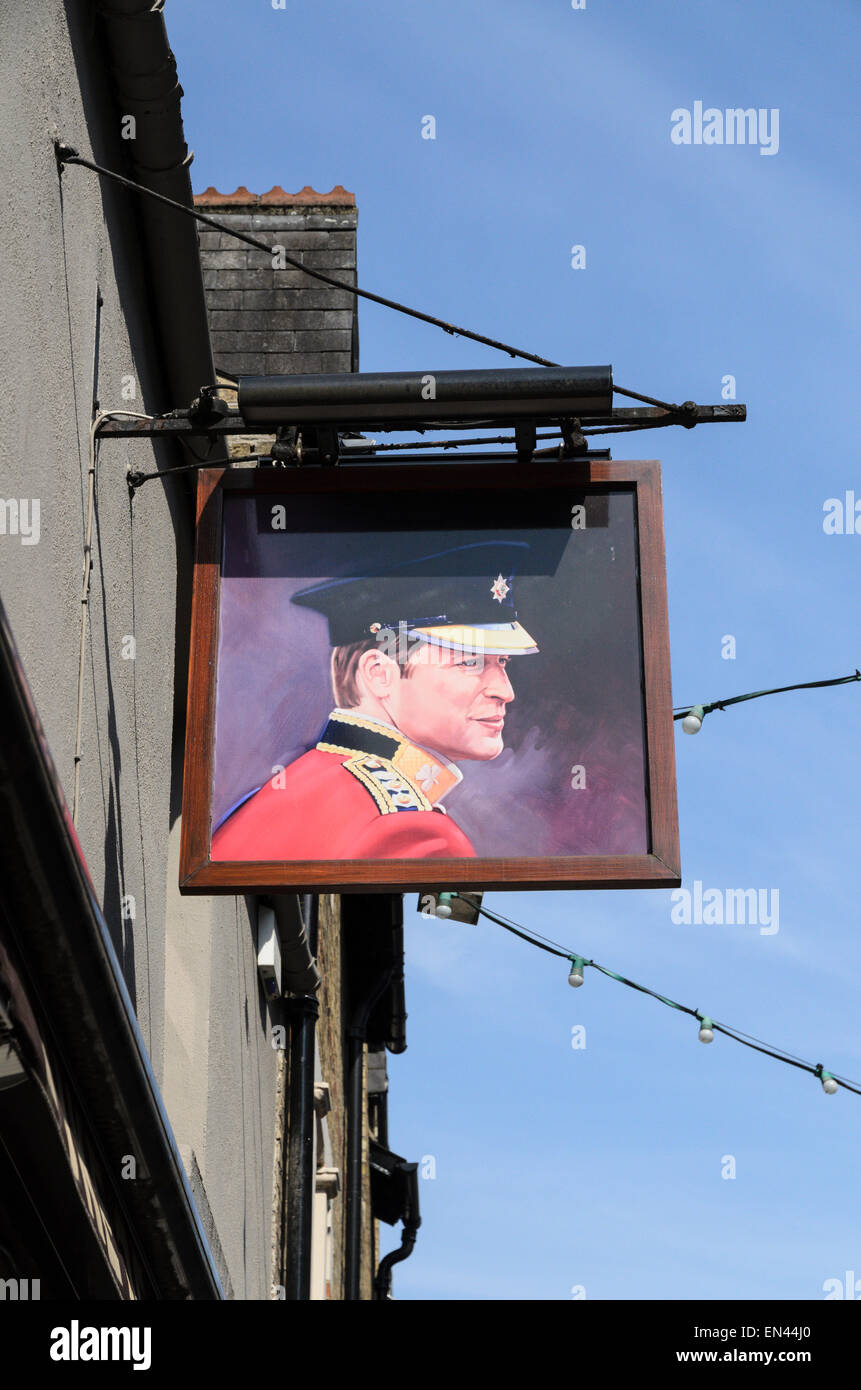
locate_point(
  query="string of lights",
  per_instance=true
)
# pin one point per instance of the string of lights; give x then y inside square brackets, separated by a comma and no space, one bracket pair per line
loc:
[831,1082]
[692,716]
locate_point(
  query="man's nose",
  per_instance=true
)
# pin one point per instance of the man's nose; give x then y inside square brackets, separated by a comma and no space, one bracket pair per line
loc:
[498,686]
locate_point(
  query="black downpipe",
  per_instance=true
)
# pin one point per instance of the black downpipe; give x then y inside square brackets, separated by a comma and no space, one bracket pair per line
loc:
[383,1281]
[303,1013]
[357,1035]
[383,1119]
[146,86]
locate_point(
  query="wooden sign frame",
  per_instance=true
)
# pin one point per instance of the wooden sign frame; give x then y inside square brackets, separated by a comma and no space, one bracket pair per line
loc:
[658,868]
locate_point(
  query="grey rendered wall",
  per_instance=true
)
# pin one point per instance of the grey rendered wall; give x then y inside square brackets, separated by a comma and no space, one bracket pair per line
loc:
[189,965]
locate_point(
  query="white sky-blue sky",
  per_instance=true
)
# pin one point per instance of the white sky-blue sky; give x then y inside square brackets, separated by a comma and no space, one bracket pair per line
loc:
[602,1167]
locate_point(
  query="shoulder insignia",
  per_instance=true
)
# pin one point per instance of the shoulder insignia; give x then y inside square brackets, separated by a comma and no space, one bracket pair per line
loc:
[391,790]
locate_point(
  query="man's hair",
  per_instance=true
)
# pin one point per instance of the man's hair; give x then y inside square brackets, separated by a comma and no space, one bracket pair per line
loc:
[345,665]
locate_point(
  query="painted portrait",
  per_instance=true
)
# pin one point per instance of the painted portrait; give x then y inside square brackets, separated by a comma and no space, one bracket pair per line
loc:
[445,675]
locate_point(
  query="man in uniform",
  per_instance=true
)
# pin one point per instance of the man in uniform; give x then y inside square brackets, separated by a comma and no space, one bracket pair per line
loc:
[419,673]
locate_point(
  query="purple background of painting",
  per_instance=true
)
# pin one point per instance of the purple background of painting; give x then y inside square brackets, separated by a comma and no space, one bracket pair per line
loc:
[582,704]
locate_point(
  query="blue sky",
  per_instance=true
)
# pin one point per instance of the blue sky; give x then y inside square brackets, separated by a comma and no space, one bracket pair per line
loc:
[602,1167]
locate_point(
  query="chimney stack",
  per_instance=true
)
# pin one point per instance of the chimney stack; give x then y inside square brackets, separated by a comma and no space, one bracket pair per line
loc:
[268,320]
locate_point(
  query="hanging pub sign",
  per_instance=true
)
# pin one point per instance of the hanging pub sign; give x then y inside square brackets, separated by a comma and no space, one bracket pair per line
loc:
[454,674]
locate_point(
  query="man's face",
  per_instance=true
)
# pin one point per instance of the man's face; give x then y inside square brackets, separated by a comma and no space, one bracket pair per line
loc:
[453,702]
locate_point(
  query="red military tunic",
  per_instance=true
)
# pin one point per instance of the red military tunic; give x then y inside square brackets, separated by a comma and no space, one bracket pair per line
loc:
[364,792]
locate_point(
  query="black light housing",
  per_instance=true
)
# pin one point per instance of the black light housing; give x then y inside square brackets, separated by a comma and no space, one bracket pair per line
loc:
[362,400]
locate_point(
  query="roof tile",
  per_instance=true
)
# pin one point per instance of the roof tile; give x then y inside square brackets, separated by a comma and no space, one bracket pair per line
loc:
[276,197]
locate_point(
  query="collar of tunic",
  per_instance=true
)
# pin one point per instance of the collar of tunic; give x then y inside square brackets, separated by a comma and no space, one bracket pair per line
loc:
[428,772]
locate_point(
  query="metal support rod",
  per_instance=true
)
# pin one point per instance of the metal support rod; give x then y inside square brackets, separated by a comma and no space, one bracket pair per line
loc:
[66,154]
[233,423]
[136,480]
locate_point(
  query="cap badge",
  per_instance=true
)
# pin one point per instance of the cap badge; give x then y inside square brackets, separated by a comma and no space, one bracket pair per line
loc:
[500,588]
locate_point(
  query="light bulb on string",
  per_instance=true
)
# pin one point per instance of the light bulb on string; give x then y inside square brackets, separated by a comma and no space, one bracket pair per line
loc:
[443,907]
[706,1033]
[575,978]
[707,1027]
[693,720]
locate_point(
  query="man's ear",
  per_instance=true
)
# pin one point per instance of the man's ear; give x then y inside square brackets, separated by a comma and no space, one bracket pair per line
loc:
[377,673]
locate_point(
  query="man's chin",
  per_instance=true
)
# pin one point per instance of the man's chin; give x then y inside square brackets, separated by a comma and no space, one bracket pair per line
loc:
[485,752]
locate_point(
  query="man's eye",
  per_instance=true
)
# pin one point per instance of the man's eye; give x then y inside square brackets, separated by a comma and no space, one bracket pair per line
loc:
[472,664]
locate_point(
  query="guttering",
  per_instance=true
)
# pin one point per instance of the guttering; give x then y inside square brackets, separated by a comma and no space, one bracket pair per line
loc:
[145,84]
[297,932]
[76,987]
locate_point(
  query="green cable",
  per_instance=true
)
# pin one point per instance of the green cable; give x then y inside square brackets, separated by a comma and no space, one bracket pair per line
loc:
[553,948]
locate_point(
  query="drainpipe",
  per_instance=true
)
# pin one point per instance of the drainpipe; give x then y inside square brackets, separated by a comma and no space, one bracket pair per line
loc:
[412,1221]
[297,932]
[303,1011]
[146,87]
[143,77]
[357,1035]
